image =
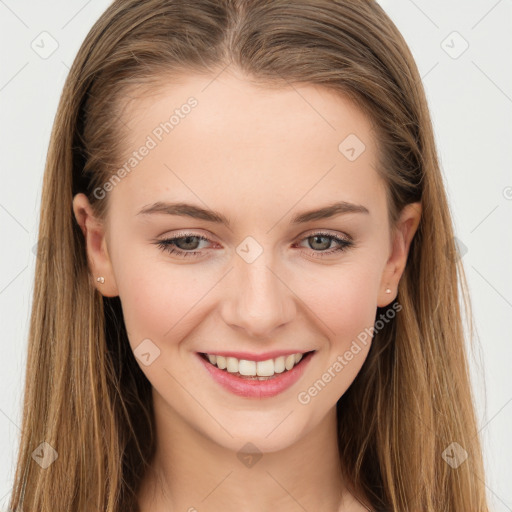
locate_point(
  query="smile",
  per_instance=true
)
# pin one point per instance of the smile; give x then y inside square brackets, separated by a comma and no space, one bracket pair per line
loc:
[249,368]
[256,379]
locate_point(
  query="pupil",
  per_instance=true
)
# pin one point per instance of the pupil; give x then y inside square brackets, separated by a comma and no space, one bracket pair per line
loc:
[188,242]
[315,238]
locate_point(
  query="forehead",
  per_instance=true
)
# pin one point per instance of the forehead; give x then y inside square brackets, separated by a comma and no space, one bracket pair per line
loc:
[228,103]
[248,141]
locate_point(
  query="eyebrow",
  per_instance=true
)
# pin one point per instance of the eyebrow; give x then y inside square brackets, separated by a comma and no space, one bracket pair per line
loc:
[196,212]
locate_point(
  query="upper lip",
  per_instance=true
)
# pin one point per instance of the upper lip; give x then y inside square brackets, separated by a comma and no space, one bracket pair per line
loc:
[257,357]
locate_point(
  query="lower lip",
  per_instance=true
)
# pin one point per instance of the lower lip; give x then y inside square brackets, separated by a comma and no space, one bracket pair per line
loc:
[254,388]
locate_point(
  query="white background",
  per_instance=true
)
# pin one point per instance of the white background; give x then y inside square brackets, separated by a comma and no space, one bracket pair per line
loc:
[471,105]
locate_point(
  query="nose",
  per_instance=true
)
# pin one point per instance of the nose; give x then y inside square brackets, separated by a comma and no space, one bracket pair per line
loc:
[259,301]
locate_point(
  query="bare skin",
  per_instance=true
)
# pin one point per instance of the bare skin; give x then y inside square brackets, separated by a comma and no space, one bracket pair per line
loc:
[259,157]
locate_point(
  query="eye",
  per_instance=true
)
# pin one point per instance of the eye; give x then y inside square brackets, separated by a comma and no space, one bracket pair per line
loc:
[182,245]
[320,242]
[186,244]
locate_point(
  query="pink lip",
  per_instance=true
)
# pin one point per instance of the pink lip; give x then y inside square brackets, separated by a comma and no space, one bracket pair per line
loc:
[249,388]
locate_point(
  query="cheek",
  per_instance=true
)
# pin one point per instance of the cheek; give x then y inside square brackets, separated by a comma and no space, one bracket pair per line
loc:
[161,301]
[343,299]
[160,305]
[344,302]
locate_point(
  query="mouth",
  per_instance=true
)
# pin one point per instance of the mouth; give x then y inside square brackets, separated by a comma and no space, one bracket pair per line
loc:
[253,379]
[257,370]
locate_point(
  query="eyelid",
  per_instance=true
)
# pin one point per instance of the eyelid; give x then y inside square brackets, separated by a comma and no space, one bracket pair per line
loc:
[343,241]
[307,234]
[327,232]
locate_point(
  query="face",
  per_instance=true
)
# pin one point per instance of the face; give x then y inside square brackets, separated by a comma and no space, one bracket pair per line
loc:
[258,280]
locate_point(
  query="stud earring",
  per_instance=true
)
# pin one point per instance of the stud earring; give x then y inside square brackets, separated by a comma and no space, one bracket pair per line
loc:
[100,279]
[388,290]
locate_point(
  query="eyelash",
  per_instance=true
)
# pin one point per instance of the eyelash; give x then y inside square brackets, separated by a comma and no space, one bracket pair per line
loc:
[166,244]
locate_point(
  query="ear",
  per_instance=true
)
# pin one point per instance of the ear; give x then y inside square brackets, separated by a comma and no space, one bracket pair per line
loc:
[96,245]
[400,243]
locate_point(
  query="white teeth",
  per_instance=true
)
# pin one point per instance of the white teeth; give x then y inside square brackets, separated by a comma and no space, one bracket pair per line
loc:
[255,368]
[232,364]
[247,367]
[289,362]
[265,368]
[279,364]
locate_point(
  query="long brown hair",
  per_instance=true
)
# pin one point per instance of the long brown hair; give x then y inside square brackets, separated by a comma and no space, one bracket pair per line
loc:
[86,396]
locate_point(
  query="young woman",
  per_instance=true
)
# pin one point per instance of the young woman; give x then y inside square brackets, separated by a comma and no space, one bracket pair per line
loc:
[248,298]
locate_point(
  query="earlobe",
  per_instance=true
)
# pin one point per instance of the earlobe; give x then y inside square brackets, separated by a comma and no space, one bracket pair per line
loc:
[406,227]
[98,258]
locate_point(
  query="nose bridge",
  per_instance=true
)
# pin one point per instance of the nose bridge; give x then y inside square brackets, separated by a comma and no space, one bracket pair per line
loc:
[260,301]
